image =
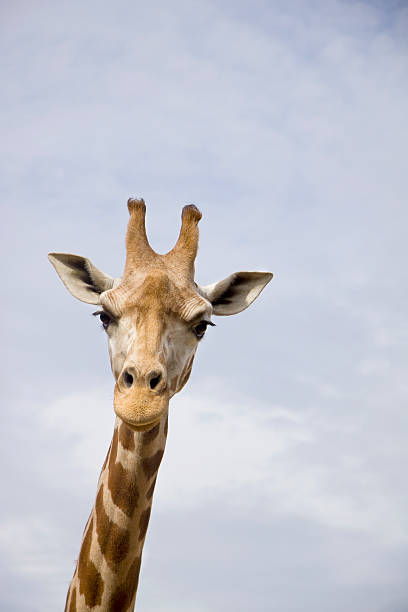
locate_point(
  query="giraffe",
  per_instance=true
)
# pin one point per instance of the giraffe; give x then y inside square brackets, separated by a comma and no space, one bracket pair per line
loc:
[154,318]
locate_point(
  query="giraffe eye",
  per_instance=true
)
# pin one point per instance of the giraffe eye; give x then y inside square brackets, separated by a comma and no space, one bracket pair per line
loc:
[200,329]
[104,318]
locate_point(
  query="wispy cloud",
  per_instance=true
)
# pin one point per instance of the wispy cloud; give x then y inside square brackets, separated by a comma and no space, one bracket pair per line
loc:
[287,125]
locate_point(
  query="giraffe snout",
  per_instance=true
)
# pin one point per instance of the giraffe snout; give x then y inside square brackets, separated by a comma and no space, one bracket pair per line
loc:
[153,379]
[141,395]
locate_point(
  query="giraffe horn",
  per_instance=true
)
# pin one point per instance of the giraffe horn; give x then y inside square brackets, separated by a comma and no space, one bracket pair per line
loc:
[138,249]
[185,250]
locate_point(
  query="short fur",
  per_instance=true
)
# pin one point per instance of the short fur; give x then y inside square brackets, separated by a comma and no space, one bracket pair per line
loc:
[154,317]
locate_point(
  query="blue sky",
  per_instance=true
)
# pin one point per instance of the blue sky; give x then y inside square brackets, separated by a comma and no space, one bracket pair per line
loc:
[283,486]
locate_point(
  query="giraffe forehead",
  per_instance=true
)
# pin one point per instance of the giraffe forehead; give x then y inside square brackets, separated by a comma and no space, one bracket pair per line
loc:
[154,292]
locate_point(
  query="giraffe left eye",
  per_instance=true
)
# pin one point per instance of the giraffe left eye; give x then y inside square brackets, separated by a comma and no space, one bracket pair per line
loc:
[199,329]
[104,318]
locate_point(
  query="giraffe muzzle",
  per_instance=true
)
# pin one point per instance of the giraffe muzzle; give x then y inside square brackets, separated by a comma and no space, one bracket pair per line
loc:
[141,399]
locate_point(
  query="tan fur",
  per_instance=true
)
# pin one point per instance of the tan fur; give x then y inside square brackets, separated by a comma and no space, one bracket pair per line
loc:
[158,297]
[153,312]
[107,572]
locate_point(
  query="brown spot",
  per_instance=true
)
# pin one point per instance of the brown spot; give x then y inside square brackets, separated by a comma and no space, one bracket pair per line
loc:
[151,434]
[166,425]
[151,464]
[149,493]
[124,594]
[113,540]
[126,437]
[72,603]
[121,483]
[144,522]
[90,580]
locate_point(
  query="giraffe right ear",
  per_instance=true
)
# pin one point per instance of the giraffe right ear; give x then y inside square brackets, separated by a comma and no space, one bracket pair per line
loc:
[82,279]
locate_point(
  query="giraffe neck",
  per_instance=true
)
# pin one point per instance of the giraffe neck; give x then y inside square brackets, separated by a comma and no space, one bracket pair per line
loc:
[107,571]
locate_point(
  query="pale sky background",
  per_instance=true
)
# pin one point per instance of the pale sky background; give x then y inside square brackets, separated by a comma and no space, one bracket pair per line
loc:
[284,483]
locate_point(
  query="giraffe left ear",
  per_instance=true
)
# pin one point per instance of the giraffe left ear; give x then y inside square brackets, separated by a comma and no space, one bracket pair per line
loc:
[236,292]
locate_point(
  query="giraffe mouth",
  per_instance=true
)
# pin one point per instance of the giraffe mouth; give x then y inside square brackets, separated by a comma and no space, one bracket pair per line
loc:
[140,427]
[140,410]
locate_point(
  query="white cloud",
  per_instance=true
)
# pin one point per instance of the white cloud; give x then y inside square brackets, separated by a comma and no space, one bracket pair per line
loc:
[83,422]
[223,447]
[287,125]
[23,543]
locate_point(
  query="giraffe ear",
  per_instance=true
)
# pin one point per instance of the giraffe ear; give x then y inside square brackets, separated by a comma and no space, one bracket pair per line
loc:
[82,279]
[236,292]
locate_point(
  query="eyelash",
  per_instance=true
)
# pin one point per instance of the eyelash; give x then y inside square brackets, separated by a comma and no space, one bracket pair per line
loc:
[199,330]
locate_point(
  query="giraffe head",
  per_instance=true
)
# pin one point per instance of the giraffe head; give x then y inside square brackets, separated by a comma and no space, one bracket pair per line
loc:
[155,315]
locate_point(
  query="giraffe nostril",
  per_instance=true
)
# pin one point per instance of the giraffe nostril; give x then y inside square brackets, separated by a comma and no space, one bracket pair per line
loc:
[128,379]
[155,381]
